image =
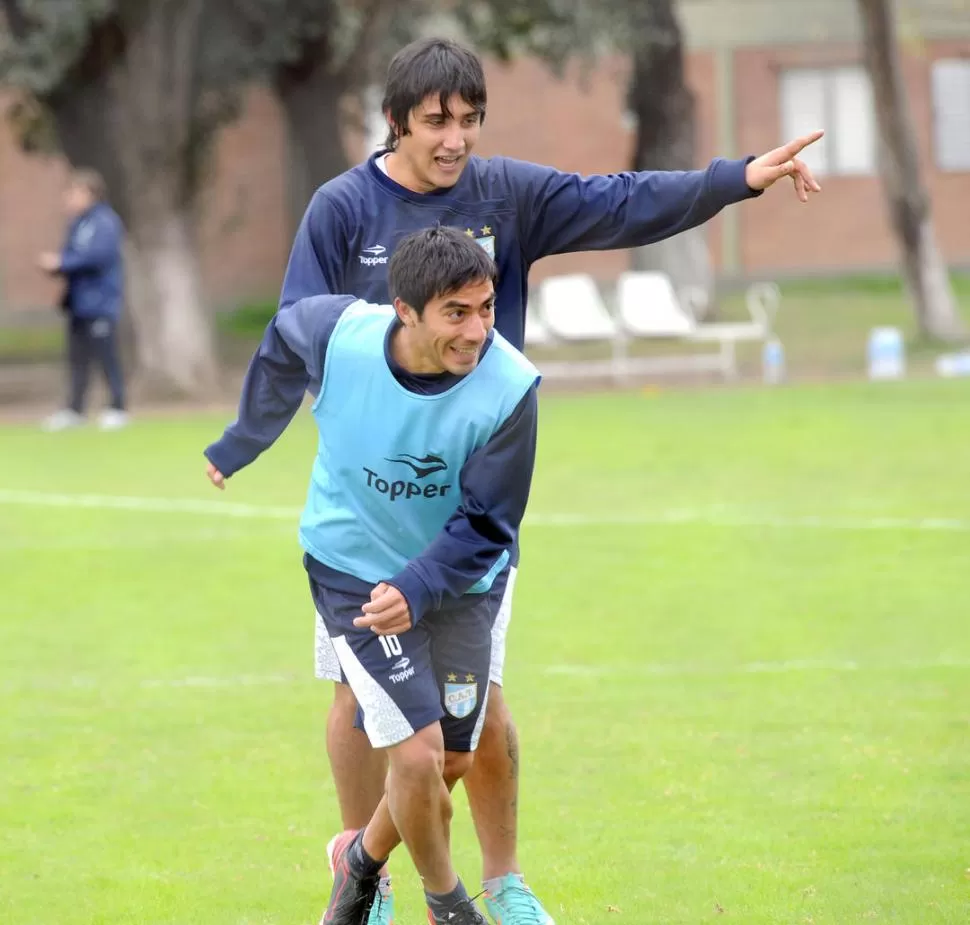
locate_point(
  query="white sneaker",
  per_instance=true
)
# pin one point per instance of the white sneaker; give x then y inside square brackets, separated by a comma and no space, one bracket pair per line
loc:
[62,420]
[112,419]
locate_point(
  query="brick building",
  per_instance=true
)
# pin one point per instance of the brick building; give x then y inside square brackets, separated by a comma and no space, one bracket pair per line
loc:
[762,70]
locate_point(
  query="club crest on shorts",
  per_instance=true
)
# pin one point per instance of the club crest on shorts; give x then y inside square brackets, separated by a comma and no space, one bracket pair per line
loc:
[461,699]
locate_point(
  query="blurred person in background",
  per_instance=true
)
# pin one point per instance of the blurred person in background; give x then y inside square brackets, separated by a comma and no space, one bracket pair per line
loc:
[92,267]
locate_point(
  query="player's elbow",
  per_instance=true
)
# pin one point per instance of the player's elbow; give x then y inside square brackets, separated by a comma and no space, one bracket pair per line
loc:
[495,530]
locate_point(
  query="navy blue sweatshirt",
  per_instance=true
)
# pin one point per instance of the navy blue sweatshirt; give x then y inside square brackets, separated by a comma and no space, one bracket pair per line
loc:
[520,212]
[494,481]
[93,265]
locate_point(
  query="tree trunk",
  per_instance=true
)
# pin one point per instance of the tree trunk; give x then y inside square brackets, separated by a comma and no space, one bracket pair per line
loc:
[154,96]
[923,267]
[312,96]
[315,88]
[174,344]
[83,117]
[664,109]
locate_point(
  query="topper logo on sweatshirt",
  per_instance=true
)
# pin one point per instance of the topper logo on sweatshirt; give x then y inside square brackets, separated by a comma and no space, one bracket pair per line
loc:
[374,255]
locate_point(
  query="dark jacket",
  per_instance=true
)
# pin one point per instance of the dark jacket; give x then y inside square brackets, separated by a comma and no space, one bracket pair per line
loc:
[92,264]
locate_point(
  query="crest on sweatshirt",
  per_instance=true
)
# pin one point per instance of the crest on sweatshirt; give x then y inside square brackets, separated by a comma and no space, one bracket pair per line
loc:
[484,238]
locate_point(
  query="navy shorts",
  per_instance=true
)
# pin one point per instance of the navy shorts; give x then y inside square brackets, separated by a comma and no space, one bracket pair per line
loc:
[437,670]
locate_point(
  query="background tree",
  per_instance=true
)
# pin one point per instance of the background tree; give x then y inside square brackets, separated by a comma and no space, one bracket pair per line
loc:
[313,86]
[136,90]
[662,105]
[310,52]
[659,99]
[139,89]
[923,268]
[324,80]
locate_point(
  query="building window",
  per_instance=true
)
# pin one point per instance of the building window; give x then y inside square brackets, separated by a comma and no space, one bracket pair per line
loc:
[951,113]
[838,100]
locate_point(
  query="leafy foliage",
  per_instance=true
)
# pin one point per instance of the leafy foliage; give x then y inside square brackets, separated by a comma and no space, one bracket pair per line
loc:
[44,39]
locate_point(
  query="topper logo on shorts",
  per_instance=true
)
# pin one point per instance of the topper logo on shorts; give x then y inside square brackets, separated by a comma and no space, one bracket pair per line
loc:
[423,466]
[399,677]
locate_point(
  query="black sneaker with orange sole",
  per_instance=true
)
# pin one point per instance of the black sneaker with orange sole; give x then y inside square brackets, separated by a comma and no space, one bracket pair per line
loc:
[352,897]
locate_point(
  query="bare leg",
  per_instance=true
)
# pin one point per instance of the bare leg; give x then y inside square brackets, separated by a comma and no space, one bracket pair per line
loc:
[492,785]
[418,808]
[358,770]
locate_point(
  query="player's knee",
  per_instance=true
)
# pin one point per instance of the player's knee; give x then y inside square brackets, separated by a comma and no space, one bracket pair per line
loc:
[421,757]
[457,765]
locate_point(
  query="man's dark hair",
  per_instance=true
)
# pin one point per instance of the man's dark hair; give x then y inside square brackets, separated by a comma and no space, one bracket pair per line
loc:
[435,262]
[425,67]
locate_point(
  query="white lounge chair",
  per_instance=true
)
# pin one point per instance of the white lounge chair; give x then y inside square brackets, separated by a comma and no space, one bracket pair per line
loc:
[571,308]
[762,301]
[650,308]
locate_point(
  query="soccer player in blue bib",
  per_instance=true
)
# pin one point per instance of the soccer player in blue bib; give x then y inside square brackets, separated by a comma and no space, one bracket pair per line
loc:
[427,422]
[519,212]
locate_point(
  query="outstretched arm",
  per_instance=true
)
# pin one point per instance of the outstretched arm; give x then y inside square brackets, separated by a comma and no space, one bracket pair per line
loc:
[563,212]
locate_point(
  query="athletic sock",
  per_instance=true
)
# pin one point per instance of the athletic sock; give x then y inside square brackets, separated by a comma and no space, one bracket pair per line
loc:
[441,904]
[361,864]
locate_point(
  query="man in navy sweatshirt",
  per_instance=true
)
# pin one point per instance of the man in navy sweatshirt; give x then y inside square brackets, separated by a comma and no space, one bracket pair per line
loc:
[91,265]
[434,103]
[427,421]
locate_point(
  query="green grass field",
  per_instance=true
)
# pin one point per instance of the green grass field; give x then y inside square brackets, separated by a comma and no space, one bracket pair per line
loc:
[740,665]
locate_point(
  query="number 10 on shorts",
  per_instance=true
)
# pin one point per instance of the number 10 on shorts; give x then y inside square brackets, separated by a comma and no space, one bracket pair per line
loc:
[391,645]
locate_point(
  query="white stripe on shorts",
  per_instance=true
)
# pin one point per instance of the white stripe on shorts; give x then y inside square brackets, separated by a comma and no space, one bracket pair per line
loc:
[326,665]
[500,632]
[480,722]
[384,722]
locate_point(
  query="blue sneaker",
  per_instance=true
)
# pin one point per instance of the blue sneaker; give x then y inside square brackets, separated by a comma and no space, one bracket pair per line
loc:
[515,904]
[382,912]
